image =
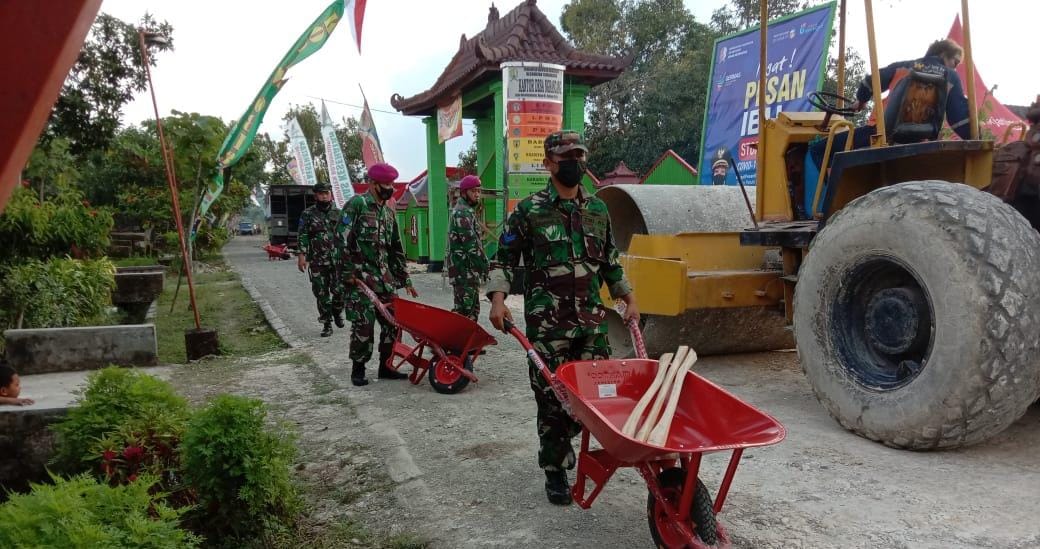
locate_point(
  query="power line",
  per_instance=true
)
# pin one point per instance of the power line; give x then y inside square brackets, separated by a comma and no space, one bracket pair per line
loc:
[362,107]
[359,107]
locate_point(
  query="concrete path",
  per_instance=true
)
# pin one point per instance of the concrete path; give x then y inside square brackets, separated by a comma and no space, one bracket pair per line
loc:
[467,462]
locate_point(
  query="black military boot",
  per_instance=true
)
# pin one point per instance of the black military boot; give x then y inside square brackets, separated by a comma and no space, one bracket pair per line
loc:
[557,489]
[357,375]
[385,372]
[327,331]
[338,319]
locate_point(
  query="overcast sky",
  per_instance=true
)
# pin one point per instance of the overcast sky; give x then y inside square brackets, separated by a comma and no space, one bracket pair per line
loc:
[225,50]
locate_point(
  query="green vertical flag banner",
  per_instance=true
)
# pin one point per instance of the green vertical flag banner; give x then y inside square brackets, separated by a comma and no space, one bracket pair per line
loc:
[244,131]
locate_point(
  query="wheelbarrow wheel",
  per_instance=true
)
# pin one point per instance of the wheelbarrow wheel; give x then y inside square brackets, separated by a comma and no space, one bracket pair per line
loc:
[445,377]
[702,515]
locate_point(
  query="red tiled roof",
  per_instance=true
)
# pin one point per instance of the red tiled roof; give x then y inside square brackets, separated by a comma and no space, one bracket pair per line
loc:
[621,175]
[524,34]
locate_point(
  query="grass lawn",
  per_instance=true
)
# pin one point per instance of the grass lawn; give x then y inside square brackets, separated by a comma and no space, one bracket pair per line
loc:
[223,304]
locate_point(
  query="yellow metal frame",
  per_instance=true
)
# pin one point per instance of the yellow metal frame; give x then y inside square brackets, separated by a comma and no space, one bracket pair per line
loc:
[1015,125]
[674,273]
[826,159]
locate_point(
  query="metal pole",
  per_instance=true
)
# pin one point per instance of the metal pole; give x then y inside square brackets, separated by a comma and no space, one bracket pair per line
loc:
[171,181]
[763,62]
[969,73]
[841,54]
[875,77]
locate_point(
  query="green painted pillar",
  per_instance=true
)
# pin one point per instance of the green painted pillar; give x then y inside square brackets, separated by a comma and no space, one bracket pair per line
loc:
[437,189]
[489,165]
[498,144]
[574,105]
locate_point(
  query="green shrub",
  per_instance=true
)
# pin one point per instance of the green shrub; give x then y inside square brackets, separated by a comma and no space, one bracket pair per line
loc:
[56,293]
[117,407]
[64,224]
[80,512]
[239,469]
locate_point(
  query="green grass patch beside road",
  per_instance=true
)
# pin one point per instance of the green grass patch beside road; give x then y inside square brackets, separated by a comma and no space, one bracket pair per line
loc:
[223,304]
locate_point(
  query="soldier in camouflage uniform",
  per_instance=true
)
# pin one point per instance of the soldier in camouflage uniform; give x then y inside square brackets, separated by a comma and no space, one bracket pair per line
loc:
[467,264]
[318,248]
[563,237]
[372,253]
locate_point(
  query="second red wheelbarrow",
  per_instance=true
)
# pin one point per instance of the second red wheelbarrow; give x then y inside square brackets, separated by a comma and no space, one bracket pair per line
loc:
[601,394]
[454,341]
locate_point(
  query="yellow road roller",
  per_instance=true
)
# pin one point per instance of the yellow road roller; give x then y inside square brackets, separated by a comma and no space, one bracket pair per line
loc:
[910,294]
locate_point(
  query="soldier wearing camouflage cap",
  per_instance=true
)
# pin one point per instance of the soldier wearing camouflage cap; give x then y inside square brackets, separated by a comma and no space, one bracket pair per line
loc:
[373,254]
[562,235]
[467,264]
[319,257]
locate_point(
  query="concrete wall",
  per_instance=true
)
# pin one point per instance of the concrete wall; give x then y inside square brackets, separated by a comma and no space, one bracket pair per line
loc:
[25,446]
[46,350]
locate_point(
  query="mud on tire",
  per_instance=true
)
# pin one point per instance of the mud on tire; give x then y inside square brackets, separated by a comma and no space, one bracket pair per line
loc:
[917,314]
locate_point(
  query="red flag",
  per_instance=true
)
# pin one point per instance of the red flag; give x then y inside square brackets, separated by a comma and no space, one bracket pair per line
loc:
[371,150]
[994,117]
[355,12]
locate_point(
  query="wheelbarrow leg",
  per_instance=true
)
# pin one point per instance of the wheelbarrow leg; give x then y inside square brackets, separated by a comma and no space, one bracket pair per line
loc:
[595,465]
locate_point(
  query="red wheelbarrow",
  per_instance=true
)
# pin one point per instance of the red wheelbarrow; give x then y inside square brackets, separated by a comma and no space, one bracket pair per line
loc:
[454,340]
[601,394]
[276,252]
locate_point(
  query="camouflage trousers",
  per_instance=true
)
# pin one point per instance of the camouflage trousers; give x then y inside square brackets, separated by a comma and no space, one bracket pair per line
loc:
[467,299]
[363,317]
[555,427]
[327,290]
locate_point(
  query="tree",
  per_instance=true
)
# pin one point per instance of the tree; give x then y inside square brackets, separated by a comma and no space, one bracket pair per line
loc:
[107,74]
[346,133]
[743,14]
[468,158]
[658,103]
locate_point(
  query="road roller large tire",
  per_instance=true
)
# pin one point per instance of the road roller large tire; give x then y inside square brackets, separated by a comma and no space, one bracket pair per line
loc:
[916,315]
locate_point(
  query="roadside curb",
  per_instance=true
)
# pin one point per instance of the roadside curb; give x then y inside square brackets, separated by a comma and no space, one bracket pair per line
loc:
[401,466]
[273,319]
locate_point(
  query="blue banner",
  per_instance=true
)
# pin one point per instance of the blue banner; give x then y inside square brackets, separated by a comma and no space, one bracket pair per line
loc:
[797,63]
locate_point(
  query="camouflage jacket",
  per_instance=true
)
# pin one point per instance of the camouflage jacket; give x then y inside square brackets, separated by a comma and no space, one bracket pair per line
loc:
[568,252]
[317,231]
[467,263]
[371,245]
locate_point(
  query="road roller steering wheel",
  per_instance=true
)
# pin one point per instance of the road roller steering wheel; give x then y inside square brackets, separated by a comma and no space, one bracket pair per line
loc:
[828,103]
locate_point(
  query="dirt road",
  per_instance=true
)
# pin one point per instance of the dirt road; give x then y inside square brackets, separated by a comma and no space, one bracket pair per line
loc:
[467,462]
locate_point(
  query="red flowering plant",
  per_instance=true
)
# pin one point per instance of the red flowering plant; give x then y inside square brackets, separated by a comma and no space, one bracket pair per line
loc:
[147,447]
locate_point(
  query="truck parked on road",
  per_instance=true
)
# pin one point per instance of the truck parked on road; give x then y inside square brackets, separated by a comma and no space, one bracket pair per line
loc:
[283,206]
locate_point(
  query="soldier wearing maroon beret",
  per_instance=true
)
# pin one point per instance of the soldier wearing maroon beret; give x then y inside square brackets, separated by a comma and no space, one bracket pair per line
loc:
[373,254]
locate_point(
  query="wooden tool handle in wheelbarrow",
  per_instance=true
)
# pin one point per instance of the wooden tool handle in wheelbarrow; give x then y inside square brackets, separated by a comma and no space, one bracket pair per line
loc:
[662,395]
[380,306]
[633,423]
[660,433]
[543,368]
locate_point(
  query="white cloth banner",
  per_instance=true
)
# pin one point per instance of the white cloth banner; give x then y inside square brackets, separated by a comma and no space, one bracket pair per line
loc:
[339,178]
[302,153]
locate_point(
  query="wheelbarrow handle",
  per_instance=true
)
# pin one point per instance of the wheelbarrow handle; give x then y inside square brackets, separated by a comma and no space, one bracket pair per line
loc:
[554,383]
[633,329]
[384,311]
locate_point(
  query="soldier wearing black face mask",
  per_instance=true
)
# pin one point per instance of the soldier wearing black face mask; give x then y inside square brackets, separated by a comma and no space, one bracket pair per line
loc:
[561,235]
[319,257]
[372,253]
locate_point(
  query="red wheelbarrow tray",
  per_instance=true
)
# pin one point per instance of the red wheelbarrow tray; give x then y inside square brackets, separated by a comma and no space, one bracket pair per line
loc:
[451,331]
[708,418]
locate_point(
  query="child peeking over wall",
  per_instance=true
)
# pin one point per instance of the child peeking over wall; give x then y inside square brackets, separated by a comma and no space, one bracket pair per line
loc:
[11,386]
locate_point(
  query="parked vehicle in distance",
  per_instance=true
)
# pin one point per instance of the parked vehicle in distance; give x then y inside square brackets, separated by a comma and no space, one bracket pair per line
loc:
[246,227]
